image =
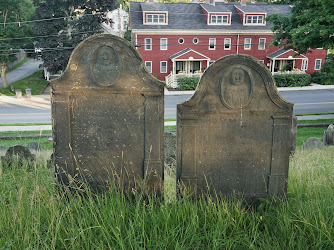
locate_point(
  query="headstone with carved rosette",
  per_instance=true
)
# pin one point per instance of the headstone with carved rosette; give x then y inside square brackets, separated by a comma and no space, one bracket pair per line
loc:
[107,113]
[234,132]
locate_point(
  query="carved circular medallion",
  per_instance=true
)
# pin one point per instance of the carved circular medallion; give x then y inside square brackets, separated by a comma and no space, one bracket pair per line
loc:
[104,65]
[235,87]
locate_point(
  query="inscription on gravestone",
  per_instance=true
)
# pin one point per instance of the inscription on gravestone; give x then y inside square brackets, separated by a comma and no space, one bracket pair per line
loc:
[234,134]
[107,113]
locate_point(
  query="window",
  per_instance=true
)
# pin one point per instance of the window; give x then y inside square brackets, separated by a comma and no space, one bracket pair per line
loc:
[155,18]
[247,43]
[317,65]
[219,19]
[163,67]
[195,40]
[227,43]
[181,40]
[212,43]
[149,66]
[163,43]
[148,43]
[262,43]
[304,64]
[254,19]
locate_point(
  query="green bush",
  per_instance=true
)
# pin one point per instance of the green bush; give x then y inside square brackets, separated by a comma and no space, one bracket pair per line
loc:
[326,75]
[292,80]
[187,83]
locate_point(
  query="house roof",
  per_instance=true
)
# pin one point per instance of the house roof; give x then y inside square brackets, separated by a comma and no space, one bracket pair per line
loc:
[250,8]
[217,8]
[190,52]
[288,52]
[190,16]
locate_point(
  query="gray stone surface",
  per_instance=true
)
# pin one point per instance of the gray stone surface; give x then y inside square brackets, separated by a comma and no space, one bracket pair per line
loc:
[329,135]
[19,154]
[3,148]
[234,133]
[294,135]
[313,142]
[170,148]
[107,115]
[34,146]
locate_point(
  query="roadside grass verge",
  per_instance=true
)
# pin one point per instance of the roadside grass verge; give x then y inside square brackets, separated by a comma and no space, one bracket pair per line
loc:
[25,124]
[316,121]
[33,215]
[35,82]
[18,64]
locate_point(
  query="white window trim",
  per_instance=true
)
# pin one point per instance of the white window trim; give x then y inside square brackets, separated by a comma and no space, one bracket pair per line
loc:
[315,64]
[147,67]
[229,48]
[161,43]
[194,40]
[161,66]
[219,23]
[264,44]
[304,64]
[150,43]
[250,44]
[164,14]
[214,44]
[257,16]
[178,40]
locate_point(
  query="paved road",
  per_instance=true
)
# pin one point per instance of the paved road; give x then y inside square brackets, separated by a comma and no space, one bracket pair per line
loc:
[38,108]
[28,68]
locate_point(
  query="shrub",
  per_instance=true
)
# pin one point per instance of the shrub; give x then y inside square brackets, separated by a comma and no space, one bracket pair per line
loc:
[187,83]
[292,80]
[326,75]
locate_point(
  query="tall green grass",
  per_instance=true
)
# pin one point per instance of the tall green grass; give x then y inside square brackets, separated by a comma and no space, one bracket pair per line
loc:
[33,215]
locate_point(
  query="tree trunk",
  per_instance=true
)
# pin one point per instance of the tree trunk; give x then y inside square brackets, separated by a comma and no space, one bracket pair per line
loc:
[3,75]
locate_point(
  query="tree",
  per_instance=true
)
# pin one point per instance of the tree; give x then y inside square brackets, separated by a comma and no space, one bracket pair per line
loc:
[13,14]
[310,25]
[65,24]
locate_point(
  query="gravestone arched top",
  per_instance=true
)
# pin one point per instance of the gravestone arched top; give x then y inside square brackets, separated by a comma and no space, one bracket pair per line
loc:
[106,62]
[236,81]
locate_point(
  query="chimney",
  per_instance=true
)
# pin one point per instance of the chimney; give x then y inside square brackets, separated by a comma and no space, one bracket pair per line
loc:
[243,2]
[252,1]
[212,2]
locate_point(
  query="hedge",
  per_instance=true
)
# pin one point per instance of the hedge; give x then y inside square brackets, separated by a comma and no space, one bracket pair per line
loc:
[292,80]
[187,83]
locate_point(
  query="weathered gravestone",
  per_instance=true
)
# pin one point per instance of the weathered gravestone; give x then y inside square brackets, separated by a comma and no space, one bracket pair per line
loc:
[234,132]
[313,142]
[170,148]
[19,154]
[329,135]
[34,145]
[294,135]
[108,115]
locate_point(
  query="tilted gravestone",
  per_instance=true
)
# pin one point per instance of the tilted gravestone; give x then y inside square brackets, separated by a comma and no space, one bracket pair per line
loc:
[19,154]
[108,115]
[313,142]
[234,134]
[294,134]
[329,135]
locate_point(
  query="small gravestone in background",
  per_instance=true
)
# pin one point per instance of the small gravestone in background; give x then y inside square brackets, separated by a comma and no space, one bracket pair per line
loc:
[329,135]
[17,153]
[234,134]
[170,148]
[108,117]
[313,142]
[34,146]
[293,135]
[3,148]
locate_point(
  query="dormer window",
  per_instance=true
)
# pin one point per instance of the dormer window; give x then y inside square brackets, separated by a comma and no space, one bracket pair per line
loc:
[255,19]
[219,19]
[155,19]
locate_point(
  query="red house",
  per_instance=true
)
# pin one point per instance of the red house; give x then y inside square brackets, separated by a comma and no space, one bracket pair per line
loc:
[183,39]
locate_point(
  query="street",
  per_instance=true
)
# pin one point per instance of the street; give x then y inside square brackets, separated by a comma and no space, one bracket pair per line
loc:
[37,110]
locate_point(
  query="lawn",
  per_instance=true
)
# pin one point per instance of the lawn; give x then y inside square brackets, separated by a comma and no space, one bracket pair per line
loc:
[33,215]
[35,82]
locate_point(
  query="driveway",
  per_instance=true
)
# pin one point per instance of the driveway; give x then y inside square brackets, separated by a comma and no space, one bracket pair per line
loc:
[27,69]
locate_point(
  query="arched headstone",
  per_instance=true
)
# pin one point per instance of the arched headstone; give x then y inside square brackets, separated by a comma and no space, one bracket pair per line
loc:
[234,133]
[107,113]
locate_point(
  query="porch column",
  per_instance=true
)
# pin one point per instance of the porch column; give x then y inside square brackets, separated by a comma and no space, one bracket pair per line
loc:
[173,72]
[273,68]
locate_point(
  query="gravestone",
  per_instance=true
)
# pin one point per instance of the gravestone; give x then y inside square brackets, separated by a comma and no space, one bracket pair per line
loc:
[3,148]
[108,116]
[19,154]
[294,135]
[329,135]
[34,146]
[313,142]
[234,133]
[170,148]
